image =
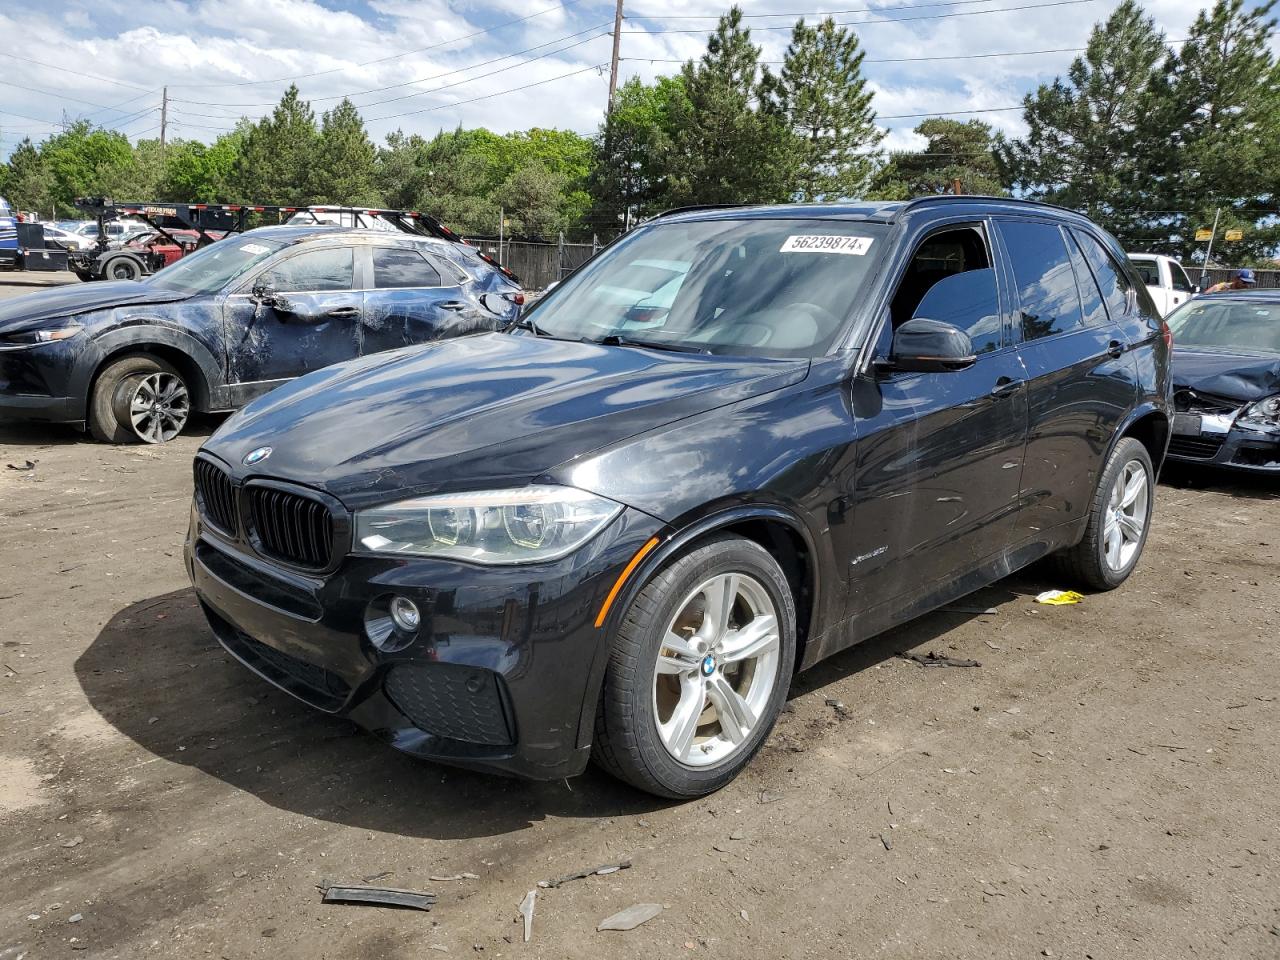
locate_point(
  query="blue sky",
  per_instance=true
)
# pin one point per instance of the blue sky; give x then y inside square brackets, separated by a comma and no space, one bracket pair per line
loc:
[423,65]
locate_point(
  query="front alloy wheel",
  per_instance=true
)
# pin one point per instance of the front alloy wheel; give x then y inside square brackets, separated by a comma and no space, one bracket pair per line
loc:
[715,674]
[157,405]
[699,668]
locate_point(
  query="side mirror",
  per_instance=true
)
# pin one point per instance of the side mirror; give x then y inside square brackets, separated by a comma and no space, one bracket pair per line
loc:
[929,346]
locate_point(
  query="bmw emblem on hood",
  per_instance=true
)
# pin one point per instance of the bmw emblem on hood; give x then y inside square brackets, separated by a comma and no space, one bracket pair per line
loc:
[256,456]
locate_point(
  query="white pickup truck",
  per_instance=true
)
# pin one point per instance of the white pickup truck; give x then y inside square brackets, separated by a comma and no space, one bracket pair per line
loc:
[1166,281]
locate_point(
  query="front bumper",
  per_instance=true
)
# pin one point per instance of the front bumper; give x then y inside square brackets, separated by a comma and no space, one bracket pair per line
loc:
[1240,448]
[35,382]
[502,674]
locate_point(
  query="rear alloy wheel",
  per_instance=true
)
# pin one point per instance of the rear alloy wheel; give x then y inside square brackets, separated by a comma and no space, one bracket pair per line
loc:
[1119,520]
[699,670]
[139,398]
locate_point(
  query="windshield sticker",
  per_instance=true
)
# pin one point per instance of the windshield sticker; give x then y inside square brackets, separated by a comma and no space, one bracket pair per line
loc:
[818,243]
[254,248]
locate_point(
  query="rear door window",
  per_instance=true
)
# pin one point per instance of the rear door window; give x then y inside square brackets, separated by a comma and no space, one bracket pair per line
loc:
[1050,302]
[397,268]
[1095,314]
[1112,280]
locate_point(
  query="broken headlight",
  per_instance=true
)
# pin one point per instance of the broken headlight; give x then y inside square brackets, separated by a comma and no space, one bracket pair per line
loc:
[521,525]
[1262,413]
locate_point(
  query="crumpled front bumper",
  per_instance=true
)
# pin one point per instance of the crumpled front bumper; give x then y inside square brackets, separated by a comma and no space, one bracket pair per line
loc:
[1242,447]
[502,675]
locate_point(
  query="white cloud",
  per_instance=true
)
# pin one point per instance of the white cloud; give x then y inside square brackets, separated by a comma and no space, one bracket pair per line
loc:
[215,54]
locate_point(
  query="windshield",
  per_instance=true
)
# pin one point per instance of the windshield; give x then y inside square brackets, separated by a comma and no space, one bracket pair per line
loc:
[777,288]
[211,269]
[1227,325]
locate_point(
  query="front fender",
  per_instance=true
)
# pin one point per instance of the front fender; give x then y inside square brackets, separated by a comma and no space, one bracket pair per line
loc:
[138,335]
[672,541]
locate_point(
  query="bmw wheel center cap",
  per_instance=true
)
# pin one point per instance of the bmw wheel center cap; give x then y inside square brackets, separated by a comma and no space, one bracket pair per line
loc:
[256,456]
[708,665]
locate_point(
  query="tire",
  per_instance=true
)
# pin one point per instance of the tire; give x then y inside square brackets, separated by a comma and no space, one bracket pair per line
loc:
[1095,561]
[138,376]
[638,736]
[122,268]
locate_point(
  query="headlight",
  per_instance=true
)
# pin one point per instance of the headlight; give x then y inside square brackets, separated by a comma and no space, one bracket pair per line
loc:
[1264,412]
[521,525]
[63,331]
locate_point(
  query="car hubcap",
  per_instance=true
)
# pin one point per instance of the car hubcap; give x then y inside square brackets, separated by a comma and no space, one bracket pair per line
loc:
[1126,516]
[716,669]
[159,407]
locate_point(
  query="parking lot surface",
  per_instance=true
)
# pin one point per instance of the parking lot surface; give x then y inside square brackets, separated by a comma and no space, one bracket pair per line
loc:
[1104,784]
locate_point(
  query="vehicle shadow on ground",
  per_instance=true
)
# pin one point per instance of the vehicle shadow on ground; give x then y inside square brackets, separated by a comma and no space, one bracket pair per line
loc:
[62,435]
[1245,486]
[924,634]
[156,674]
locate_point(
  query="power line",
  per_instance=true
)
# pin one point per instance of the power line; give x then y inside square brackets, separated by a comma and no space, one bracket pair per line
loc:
[953,56]
[78,73]
[946,113]
[805,13]
[406,83]
[447,86]
[490,96]
[867,23]
[395,56]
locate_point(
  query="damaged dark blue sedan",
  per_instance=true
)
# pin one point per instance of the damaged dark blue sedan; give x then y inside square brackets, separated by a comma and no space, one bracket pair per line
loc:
[738,441]
[133,361]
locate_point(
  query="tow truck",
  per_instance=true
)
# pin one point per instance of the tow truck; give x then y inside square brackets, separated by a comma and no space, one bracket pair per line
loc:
[181,228]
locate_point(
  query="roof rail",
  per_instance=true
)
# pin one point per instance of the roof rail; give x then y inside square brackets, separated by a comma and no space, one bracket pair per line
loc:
[694,207]
[982,198]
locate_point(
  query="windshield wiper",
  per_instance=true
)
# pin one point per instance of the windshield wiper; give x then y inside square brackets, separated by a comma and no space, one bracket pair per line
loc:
[524,323]
[618,340]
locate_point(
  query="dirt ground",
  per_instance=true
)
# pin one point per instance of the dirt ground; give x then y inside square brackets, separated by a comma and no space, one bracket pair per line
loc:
[1105,785]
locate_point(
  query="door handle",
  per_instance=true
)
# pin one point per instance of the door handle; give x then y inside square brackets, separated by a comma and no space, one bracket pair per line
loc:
[1005,387]
[342,313]
[1116,349]
[454,305]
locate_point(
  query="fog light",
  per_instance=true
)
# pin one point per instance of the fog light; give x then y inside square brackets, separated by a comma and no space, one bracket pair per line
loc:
[405,615]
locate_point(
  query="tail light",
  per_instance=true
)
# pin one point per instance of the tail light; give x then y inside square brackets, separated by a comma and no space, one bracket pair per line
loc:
[1167,334]
[516,298]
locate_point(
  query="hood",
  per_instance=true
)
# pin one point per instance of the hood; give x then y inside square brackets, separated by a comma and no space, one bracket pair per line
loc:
[74,298]
[477,411]
[1232,376]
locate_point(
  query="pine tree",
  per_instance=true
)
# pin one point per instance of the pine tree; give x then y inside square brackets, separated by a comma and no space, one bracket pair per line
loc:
[1091,143]
[824,99]
[957,150]
[724,149]
[343,170]
[631,152]
[275,162]
[1220,101]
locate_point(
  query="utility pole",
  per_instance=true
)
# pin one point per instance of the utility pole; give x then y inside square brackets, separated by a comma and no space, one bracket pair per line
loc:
[164,115]
[1208,255]
[617,45]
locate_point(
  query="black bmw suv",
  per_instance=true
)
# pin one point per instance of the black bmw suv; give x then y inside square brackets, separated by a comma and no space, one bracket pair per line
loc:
[736,442]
